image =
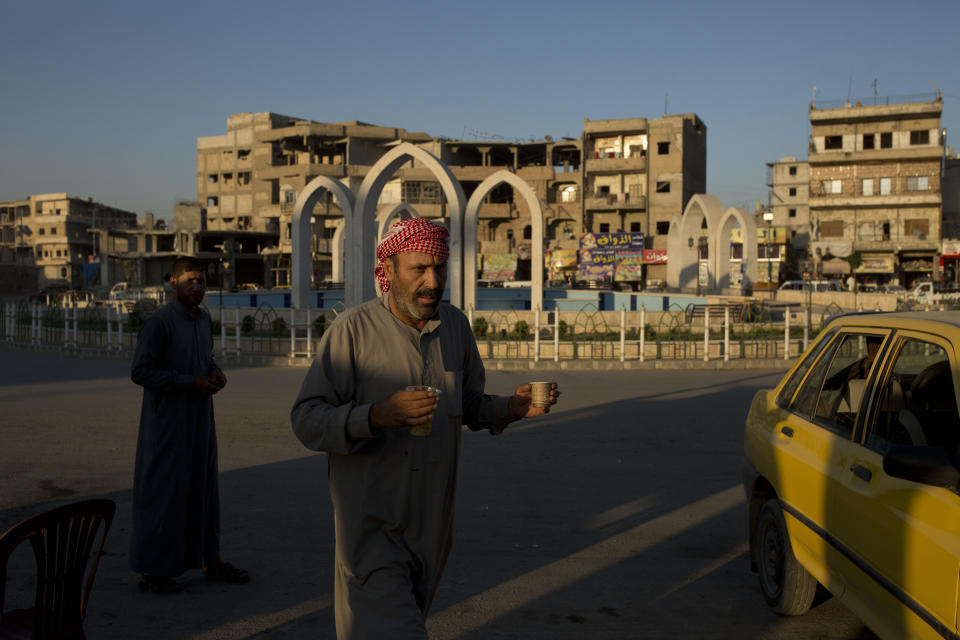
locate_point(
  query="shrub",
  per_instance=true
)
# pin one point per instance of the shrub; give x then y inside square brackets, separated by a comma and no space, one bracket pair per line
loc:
[247,325]
[480,327]
[278,326]
[563,326]
[521,329]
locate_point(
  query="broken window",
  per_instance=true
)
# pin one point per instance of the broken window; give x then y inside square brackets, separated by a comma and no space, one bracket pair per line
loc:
[663,227]
[663,186]
[832,187]
[243,177]
[663,148]
[917,183]
[917,227]
[868,140]
[227,178]
[831,229]
[866,187]
[886,140]
[213,201]
[832,143]
[920,136]
[213,178]
[243,154]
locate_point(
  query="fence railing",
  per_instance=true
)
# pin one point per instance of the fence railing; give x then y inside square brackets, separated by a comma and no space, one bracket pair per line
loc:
[711,333]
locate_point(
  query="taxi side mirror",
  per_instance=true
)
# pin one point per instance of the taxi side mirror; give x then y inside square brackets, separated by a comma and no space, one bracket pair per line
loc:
[926,465]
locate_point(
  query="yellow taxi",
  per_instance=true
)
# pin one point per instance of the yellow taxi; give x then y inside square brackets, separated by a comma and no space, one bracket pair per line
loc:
[851,474]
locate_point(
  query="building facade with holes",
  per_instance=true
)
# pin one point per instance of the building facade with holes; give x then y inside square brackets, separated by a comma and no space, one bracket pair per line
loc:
[875,189]
[618,176]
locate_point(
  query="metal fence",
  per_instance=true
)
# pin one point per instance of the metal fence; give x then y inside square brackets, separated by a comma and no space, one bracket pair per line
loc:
[701,332]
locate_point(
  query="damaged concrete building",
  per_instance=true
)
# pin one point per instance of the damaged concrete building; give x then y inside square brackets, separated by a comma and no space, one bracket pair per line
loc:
[619,176]
[875,189]
[46,240]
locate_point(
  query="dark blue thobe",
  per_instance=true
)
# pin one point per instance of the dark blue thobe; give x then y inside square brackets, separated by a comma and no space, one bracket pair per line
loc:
[176,508]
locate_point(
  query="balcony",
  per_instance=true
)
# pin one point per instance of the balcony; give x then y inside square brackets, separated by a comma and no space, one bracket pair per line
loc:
[616,164]
[927,152]
[614,201]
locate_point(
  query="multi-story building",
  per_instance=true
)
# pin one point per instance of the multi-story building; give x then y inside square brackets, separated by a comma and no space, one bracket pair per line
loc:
[875,189]
[248,181]
[639,173]
[55,230]
[789,201]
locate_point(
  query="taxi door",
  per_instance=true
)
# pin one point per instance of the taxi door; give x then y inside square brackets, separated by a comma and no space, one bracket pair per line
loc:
[906,537]
[815,450]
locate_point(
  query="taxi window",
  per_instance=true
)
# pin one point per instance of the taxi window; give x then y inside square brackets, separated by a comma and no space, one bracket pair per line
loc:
[789,389]
[834,396]
[917,404]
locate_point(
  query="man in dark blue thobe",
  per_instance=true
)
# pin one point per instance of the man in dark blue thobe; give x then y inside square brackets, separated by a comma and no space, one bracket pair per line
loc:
[176,504]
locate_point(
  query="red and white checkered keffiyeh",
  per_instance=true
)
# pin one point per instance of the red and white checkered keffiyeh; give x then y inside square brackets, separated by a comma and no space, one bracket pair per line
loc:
[411,235]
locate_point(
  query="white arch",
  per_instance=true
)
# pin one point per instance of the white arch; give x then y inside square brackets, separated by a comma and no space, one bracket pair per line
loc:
[385,217]
[336,267]
[748,227]
[470,236]
[683,262]
[361,255]
[301,255]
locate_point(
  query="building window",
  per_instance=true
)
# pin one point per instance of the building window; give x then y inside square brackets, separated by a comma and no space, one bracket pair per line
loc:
[917,183]
[832,187]
[213,178]
[793,191]
[212,201]
[635,227]
[42,231]
[918,227]
[793,171]
[920,136]
[604,227]
[866,187]
[868,140]
[227,178]
[663,186]
[832,143]
[792,213]
[243,154]
[885,186]
[527,232]
[663,227]
[243,177]
[663,148]
[63,272]
[886,140]
[831,229]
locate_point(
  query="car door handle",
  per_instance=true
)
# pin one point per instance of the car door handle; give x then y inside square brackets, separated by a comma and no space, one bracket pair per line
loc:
[861,472]
[787,431]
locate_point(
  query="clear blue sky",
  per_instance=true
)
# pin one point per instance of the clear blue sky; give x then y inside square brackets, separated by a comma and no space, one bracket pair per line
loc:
[107,99]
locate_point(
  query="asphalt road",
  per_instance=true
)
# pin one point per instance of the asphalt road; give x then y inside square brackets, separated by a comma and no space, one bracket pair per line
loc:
[619,515]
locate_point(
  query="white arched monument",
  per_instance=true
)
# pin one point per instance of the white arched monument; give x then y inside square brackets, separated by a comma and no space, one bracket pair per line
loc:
[470,236]
[361,255]
[301,259]
[721,260]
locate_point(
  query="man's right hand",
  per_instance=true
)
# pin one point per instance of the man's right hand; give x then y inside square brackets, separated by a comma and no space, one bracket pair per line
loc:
[206,385]
[403,409]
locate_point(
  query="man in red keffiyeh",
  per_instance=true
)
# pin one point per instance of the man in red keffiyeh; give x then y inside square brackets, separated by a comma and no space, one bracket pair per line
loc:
[393,491]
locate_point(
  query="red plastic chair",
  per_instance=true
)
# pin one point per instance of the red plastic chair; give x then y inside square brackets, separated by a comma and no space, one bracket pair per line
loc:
[62,541]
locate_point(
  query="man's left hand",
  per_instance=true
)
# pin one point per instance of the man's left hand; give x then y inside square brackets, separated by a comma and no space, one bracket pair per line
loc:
[218,379]
[521,403]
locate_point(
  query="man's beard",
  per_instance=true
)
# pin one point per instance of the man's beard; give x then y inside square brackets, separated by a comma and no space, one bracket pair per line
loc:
[409,304]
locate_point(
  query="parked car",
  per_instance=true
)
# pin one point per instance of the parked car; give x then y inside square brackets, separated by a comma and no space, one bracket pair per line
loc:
[852,477]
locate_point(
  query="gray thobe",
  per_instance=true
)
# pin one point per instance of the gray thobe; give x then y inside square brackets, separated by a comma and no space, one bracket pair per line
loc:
[176,510]
[392,493]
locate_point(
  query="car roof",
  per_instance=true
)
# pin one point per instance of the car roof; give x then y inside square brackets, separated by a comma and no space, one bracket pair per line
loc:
[931,321]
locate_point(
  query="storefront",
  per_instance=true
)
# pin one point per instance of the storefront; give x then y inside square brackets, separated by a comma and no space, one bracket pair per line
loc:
[950,261]
[917,266]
